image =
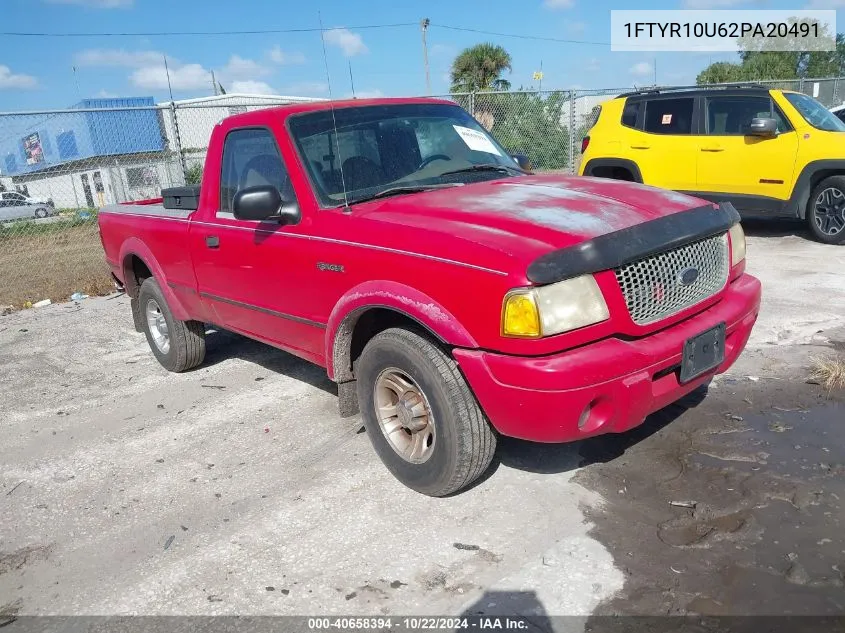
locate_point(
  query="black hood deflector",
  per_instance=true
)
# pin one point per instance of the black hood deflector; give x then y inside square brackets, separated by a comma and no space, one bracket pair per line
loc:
[635,242]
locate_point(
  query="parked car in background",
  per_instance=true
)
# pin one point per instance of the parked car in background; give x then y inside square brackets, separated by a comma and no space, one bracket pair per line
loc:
[17,195]
[451,296]
[14,206]
[839,112]
[768,152]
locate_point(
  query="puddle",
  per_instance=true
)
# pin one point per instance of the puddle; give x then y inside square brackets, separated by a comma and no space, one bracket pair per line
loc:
[727,507]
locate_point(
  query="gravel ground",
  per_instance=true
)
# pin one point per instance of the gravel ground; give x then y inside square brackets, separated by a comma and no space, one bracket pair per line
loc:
[236,488]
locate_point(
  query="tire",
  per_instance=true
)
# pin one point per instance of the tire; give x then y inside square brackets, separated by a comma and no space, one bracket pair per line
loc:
[185,340]
[461,443]
[41,212]
[826,210]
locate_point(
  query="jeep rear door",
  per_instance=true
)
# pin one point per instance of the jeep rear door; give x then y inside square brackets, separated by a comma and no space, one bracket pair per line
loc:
[663,144]
[752,171]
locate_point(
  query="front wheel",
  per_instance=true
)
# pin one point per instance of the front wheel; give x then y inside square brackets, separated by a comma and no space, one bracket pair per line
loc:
[826,210]
[41,213]
[177,345]
[420,414]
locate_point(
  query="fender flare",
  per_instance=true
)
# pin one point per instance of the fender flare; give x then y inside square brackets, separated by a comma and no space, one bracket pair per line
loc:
[389,295]
[614,162]
[797,203]
[135,247]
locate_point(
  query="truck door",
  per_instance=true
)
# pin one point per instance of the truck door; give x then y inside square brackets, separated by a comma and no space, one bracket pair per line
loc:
[246,270]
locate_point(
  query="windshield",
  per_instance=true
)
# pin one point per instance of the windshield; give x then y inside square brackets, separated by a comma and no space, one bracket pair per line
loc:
[815,113]
[371,149]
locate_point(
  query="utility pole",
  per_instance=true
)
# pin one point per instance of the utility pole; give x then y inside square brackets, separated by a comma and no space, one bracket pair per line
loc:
[655,71]
[424,27]
[351,81]
[214,83]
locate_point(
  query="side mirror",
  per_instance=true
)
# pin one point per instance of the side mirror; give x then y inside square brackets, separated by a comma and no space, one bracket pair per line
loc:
[762,127]
[524,162]
[264,203]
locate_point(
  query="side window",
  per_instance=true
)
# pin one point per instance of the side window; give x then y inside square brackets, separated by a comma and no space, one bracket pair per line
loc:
[630,113]
[251,159]
[731,116]
[669,116]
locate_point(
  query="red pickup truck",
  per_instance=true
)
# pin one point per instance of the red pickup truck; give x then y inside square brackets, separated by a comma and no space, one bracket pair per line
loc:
[452,296]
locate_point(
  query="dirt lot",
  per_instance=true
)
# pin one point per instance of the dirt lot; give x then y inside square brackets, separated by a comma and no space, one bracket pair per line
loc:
[41,261]
[237,489]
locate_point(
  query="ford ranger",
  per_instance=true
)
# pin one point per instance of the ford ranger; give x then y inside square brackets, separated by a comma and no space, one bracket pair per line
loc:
[453,297]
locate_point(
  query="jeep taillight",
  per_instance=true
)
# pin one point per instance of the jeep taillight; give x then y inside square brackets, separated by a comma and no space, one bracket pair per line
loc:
[585,143]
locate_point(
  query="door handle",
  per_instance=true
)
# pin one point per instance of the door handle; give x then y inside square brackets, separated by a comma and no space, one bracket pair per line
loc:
[712,148]
[640,146]
[212,241]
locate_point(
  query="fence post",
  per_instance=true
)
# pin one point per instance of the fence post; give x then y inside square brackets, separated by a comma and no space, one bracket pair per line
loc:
[178,141]
[472,103]
[836,91]
[571,152]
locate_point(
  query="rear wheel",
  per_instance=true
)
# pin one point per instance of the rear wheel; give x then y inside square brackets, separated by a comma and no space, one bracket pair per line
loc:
[177,345]
[41,212]
[420,414]
[826,210]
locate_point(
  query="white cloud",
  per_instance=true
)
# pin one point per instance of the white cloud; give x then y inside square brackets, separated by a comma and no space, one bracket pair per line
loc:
[182,77]
[307,89]
[558,4]
[576,28]
[350,43]
[240,68]
[641,69]
[105,94]
[365,94]
[251,86]
[593,64]
[97,4]
[278,56]
[9,80]
[118,57]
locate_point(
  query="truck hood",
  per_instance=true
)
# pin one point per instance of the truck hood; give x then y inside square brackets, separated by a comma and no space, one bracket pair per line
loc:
[530,215]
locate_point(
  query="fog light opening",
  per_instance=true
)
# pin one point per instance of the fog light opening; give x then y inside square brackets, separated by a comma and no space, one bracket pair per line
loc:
[585,416]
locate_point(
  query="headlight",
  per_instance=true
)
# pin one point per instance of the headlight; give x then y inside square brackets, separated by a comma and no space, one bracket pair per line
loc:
[552,309]
[737,244]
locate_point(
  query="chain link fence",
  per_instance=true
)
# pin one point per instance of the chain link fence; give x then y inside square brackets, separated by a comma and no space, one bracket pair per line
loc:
[58,167]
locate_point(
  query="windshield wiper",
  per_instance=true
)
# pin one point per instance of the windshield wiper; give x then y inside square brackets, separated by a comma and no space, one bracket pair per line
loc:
[395,191]
[483,167]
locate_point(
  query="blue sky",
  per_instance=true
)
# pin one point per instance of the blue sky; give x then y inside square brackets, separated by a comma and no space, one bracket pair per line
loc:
[36,72]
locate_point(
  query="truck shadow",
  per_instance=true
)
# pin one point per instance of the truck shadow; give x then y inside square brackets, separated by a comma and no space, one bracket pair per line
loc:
[776,227]
[551,459]
[534,457]
[520,610]
[221,345]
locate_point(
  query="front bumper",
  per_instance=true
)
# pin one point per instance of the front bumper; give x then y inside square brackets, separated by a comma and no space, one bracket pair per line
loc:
[605,387]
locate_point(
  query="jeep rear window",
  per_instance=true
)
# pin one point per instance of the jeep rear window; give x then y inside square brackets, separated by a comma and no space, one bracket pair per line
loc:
[669,116]
[814,112]
[629,114]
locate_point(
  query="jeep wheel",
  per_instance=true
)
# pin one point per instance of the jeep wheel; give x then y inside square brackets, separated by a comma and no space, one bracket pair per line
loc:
[826,212]
[420,414]
[177,345]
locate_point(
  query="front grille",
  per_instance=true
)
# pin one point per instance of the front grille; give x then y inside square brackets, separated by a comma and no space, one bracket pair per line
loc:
[653,287]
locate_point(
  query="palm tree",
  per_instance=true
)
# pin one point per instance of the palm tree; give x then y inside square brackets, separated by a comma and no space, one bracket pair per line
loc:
[478,69]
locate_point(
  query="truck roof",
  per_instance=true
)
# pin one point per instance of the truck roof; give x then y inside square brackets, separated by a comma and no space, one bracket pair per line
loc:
[315,106]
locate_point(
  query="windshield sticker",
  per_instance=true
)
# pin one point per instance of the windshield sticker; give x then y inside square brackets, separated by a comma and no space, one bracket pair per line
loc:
[476,140]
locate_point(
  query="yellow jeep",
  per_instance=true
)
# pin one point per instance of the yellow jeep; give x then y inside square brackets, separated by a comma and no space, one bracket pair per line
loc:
[769,152]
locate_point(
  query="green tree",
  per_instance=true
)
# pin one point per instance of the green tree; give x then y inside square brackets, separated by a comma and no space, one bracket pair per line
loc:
[479,69]
[532,124]
[193,174]
[757,63]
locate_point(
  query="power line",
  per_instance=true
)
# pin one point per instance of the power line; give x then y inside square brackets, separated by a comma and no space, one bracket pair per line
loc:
[519,36]
[208,33]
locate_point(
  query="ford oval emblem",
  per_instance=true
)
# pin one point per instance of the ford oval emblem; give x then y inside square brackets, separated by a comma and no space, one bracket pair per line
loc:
[687,276]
